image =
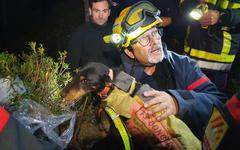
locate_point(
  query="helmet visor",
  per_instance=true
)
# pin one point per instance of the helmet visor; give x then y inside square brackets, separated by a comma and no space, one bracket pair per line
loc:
[140,15]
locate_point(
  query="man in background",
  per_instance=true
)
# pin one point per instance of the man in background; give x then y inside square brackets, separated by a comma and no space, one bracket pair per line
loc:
[86,43]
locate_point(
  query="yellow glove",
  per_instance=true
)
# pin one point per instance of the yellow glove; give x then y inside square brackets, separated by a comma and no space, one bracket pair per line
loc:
[120,101]
[183,134]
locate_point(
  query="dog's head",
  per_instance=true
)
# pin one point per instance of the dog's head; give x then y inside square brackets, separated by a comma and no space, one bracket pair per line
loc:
[92,77]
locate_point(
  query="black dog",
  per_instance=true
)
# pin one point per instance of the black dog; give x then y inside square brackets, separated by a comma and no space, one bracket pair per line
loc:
[93,77]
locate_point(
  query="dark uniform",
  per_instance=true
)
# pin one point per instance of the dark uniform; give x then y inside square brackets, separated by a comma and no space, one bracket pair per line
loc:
[181,77]
[216,46]
[223,129]
[86,44]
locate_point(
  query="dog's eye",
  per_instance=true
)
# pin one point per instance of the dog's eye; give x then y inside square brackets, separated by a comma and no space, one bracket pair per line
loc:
[83,81]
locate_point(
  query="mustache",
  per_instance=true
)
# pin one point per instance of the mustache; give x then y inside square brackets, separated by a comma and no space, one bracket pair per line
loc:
[155,49]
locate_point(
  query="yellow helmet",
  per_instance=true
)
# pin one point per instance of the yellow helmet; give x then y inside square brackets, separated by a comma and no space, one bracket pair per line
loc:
[132,22]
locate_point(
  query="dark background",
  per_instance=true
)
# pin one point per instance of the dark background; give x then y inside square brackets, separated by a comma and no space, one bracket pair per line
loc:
[48,22]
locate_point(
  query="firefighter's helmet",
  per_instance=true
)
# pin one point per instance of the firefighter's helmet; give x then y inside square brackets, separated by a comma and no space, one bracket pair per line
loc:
[132,22]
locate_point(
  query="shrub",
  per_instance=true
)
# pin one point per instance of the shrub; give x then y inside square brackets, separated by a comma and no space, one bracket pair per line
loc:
[42,76]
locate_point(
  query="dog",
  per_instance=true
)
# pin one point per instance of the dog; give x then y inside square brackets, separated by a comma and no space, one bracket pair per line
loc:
[93,77]
[101,81]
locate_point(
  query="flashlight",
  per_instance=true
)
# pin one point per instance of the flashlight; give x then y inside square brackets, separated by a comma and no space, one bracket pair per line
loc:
[198,12]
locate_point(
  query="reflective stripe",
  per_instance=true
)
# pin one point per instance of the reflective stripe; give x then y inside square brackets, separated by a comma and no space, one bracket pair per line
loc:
[211,1]
[233,5]
[186,49]
[226,43]
[133,86]
[214,65]
[197,83]
[120,127]
[223,57]
[209,56]
[224,4]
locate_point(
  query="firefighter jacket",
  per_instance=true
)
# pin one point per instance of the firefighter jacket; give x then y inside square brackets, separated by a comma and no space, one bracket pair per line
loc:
[194,92]
[223,129]
[214,47]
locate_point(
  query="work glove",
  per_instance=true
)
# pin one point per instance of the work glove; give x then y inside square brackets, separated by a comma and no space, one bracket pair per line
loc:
[120,101]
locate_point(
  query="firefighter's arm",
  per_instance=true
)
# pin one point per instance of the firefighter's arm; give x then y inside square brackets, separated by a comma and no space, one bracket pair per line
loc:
[230,17]
[195,102]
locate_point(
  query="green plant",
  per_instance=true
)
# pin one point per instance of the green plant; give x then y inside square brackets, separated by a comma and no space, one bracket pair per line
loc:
[9,64]
[42,76]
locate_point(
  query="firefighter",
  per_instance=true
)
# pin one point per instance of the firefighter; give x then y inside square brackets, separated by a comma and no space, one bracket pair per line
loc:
[223,129]
[213,39]
[181,88]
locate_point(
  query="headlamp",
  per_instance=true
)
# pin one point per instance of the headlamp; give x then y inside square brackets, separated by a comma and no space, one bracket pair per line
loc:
[132,22]
[198,12]
[116,39]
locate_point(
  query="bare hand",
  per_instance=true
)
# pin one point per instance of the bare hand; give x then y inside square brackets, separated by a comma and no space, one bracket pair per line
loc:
[210,18]
[162,103]
[166,21]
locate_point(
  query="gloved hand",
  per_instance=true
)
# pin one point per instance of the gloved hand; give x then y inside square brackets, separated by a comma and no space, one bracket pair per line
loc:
[120,101]
[170,133]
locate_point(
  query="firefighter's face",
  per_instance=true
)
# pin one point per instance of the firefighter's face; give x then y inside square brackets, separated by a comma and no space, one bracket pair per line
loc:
[99,12]
[149,53]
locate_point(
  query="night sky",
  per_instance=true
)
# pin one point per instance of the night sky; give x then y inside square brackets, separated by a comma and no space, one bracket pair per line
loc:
[48,22]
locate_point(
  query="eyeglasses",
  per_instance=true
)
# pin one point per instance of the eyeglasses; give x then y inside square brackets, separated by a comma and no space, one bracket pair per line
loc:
[145,40]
